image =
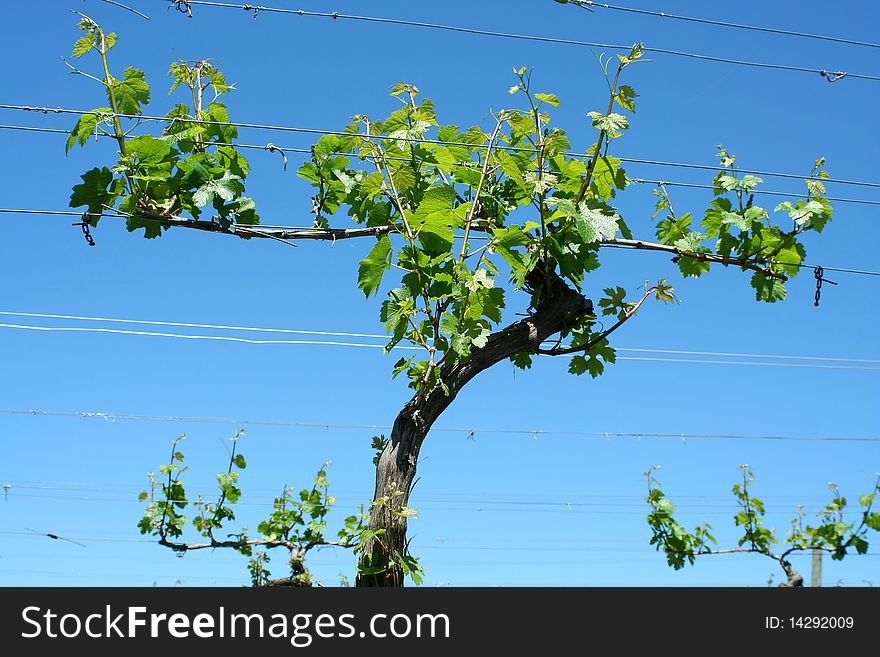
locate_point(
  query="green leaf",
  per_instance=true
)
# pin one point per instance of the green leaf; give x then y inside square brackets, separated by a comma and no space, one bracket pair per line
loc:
[505,240]
[372,268]
[673,229]
[401,366]
[373,185]
[448,133]
[436,199]
[612,124]
[712,221]
[96,191]
[749,182]
[150,152]
[626,98]
[218,80]
[591,219]
[243,210]
[635,53]
[614,302]
[691,267]
[404,178]
[395,312]
[226,188]
[768,289]
[860,544]
[435,232]
[736,219]
[590,362]
[403,87]
[231,159]
[84,128]
[219,115]
[145,525]
[511,166]
[608,177]
[790,258]
[664,292]
[755,213]
[724,182]
[239,461]
[727,160]
[690,241]
[578,365]
[226,480]
[802,212]
[550,99]
[84,44]
[434,219]
[131,92]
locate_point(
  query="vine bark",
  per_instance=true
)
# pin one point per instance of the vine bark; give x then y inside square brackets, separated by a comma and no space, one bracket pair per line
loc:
[557,304]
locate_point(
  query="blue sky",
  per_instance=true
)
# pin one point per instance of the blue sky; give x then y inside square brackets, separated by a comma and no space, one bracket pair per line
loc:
[501,509]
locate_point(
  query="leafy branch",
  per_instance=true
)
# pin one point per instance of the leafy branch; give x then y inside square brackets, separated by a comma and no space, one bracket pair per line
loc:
[832,534]
[387,508]
[188,166]
[613,304]
[297,521]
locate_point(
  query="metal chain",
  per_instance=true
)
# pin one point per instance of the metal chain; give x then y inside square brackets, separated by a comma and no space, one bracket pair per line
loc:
[84,224]
[819,272]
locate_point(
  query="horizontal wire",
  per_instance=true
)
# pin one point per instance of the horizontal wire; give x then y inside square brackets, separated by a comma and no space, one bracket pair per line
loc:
[307,151]
[22,533]
[848,271]
[88,578]
[469,431]
[263,230]
[704,501]
[589,4]
[203,326]
[255,230]
[730,362]
[486,548]
[417,140]
[222,338]
[755,191]
[801,265]
[77,538]
[380,336]
[191,325]
[126,7]
[481,507]
[743,355]
[330,343]
[524,37]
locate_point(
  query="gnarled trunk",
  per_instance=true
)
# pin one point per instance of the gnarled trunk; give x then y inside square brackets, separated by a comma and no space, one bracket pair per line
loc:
[396,469]
[795,579]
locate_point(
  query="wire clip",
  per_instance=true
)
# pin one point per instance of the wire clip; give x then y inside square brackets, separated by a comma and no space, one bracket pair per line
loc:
[226,224]
[255,8]
[818,272]
[832,76]
[183,7]
[272,148]
[84,224]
